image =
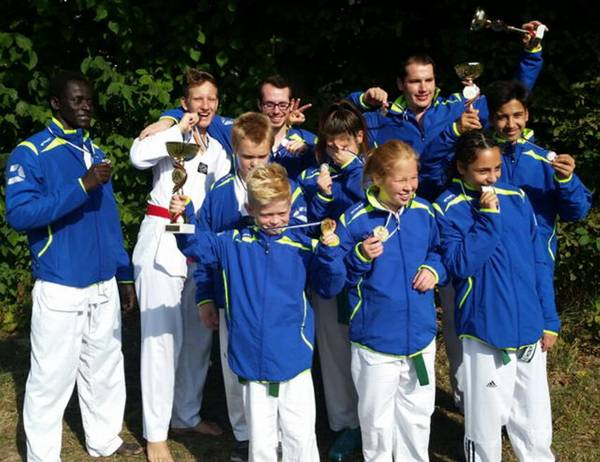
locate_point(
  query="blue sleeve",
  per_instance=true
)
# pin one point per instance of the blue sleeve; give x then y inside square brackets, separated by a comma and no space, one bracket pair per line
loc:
[320,206]
[352,178]
[356,98]
[544,275]
[204,275]
[464,255]
[220,129]
[434,258]
[435,162]
[530,67]
[299,210]
[28,204]
[295,163]
[574,199]
[357,265]
[173,114]
[202,246]
[327,270]
[348,188]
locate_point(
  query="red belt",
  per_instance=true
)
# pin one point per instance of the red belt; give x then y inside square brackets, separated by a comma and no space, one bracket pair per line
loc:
[158,211]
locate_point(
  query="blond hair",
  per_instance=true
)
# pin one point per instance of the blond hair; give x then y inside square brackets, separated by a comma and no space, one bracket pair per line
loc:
[267,184]
[382,159]
[252,126]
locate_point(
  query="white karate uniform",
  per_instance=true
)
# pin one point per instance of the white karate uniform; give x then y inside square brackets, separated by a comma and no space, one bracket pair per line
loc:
[393,408]
[453,343]
[292,412]
[75,338]
[515,395]
[333,346]
[161,273]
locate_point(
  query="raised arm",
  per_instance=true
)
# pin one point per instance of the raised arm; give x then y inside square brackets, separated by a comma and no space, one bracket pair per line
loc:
[30,205]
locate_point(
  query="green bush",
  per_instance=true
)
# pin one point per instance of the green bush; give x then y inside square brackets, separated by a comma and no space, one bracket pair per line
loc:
[578,277]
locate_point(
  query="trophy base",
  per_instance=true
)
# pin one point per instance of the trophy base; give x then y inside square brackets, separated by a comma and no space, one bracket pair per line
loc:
[180,228]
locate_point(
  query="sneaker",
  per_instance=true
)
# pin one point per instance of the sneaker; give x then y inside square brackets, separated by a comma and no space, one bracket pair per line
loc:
[239,453]
[346,443]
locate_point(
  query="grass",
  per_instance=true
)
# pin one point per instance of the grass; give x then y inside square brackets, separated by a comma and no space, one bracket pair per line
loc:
[574,373]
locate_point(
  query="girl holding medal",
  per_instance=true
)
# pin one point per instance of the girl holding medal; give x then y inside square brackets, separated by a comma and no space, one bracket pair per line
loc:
[390,240]
[505,311]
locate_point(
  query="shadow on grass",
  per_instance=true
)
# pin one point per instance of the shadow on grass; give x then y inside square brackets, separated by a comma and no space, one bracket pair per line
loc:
[14,357]
[446,428]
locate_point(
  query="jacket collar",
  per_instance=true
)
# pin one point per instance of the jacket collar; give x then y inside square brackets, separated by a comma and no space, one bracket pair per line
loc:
[525,136]
[466,188]
[60,131]
[400,105]
[371,194]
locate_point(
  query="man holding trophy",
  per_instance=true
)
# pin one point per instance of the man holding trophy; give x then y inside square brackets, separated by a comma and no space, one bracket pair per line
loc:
[175,345]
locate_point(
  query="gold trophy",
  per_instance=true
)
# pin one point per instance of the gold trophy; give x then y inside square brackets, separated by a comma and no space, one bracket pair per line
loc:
[180,153]
[467,73]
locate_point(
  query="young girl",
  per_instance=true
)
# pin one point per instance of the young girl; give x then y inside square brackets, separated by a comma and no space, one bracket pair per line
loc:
[505,312]
[391,240]
[330,189]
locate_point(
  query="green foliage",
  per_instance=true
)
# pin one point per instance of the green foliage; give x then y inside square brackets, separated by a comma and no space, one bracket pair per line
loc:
[578,277]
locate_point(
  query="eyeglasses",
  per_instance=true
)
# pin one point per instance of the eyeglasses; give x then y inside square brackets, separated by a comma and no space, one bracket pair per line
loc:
[283,105]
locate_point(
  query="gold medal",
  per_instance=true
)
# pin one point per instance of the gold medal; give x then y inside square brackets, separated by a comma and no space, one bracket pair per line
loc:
[327,226]
[381,233]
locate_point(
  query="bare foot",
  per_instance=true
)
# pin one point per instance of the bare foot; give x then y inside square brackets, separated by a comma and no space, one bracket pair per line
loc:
[203,428]
[158,452]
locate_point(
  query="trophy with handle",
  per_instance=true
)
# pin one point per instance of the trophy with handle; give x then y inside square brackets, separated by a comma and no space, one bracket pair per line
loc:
[180,153]
[467,73]
[480,21]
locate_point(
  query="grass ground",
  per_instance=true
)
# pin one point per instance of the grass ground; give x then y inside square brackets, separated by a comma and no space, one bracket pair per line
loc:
[574,372]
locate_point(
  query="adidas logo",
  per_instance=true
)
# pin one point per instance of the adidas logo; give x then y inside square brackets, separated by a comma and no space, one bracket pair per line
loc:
[492,384]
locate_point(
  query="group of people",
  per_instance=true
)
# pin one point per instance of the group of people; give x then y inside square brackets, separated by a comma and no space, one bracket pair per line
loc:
[337,240]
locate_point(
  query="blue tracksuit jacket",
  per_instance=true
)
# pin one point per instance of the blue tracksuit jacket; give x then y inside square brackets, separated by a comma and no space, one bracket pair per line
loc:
[74,236]
[503,282]
[347,189]
[269,319]
[387,314]
[220,212]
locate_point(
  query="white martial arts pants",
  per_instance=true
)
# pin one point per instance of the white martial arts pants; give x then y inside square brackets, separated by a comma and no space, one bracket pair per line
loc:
[514,394]
[193,361]
[333,346]
[75,337]
[175,344]
[452,342]
[233,387]
[293,412]
[393,408]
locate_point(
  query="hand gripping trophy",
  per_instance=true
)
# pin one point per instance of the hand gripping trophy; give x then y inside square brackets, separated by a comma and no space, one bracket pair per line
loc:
[481,21]
[180,153]
[467,73]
